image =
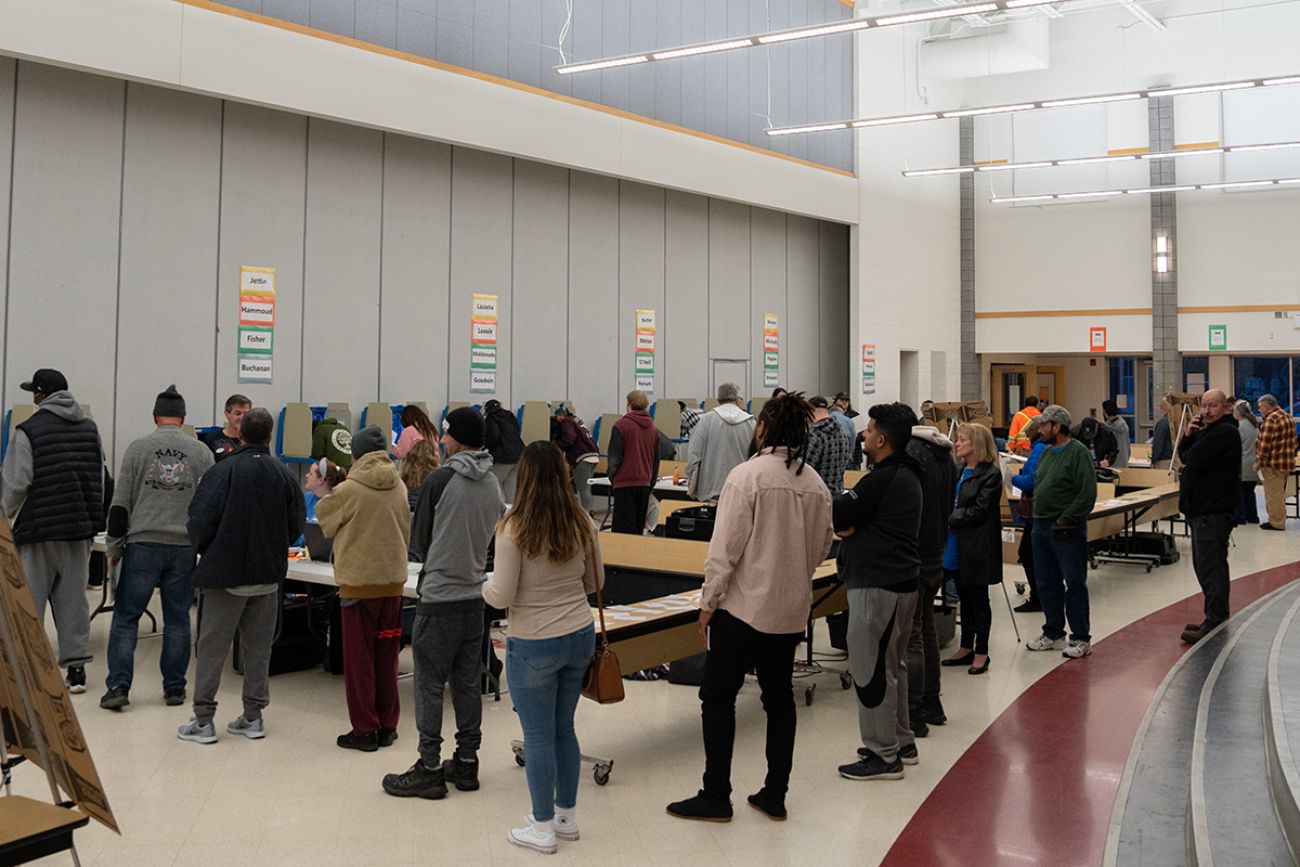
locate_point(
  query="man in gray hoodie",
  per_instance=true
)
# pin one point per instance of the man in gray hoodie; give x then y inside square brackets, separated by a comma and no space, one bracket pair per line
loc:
[720,442]
[147,532]
[455,518]
[1116,425]
[53,482]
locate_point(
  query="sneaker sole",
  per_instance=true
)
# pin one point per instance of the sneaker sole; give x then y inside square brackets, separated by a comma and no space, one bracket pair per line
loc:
[76,690]
[174,702]
[114,705]
[427,794]
[252,736]
[361,748]
[769,815]
[1081,655]
[914,760]
[717,820]
[466,787]
[545,850]
[892,775]
[562,835]
[199,739]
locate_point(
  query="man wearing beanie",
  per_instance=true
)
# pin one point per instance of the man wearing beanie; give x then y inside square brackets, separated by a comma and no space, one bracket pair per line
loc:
[146,533]
[457,512]
[1111,421]
[371,521]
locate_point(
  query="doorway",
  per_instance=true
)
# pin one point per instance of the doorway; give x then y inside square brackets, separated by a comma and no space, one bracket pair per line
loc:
[1012,383]
[730,370]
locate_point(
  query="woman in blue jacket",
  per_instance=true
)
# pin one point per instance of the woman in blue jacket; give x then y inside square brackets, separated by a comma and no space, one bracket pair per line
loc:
[1024,481]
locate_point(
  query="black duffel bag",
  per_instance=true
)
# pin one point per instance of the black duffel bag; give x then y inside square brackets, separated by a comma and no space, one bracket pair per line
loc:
[694,523]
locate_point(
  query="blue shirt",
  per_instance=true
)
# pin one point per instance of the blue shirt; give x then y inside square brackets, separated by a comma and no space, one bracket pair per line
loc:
[311,500]
[950,550]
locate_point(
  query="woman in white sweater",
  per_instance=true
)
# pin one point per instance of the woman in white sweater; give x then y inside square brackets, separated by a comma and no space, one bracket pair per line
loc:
[547,563]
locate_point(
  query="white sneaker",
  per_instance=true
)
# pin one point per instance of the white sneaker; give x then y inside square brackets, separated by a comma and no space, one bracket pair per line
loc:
[538,836]
[566,823]
[249,728]
[1078,650]
[1042,642]
[200,733]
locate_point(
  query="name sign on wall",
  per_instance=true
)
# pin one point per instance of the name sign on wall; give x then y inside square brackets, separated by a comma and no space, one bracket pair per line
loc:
[868,368]
[483,345]
[771,350]
[644,363]
[256,347]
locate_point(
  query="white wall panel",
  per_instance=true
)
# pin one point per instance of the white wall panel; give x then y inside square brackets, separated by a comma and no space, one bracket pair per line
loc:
[834,270]
[413,353]
[593,296]
[729,301]
[641,275]
[767,256]
[67,163]
[685,323]
[170,183]
[801,366]
[541,281]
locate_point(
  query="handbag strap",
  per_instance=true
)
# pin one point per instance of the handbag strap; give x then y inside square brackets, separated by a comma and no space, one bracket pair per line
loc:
[600,601]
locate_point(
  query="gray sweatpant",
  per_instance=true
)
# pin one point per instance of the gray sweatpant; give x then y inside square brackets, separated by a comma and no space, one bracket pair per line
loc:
[880,624]
[448,645]
[57,572]
[221,613]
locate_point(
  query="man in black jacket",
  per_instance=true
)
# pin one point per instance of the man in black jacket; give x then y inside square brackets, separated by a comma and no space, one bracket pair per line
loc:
[1098,440]
[933,452]
[504,442]
[879,522]
[245,514]
[1210,451]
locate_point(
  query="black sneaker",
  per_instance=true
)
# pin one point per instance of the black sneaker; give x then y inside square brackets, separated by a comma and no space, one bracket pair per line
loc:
[932,712]
[462,772]
[386,737]
[365,743]
[116,698]
[76,679]
[909,755]
[1029,606]
[772,805]
[919,727]
[417,782]
[702,808]
[872,767]
[174,697]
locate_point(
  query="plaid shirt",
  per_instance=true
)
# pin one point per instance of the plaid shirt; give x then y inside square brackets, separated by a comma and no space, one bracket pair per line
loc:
[690,418]
[829,452]
[1276,445]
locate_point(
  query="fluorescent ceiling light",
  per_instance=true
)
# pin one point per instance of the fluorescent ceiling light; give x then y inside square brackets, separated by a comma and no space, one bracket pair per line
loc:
[1109,158]
[601,64]
[1011,167]
[1144,16]
[809,32]
[1089,195]
[1237,185]
[701,49]
[1289,181]
[955,170]
[1013,199]
[1189,152]
[1172,188]
[1089,100]
[1087,161]
[992,109]
[1292,79]
[818,128]
[1161,248]
[1025,4]
[937,14]
[1241,149]
[1200,88]
[1050,103]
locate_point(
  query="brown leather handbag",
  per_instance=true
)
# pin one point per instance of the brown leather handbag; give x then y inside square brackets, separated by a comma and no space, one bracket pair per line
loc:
[603,682]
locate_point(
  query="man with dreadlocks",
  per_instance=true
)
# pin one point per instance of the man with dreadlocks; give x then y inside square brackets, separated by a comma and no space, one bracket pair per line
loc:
[773,529]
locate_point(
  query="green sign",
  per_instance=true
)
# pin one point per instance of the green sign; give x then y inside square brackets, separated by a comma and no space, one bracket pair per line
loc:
[256,340]
[1219,337]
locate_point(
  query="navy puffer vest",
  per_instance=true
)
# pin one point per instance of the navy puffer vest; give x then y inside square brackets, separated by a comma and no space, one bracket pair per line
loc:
[66,499]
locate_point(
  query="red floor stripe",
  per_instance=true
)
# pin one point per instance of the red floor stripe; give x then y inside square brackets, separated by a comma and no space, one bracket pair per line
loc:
[1039,784]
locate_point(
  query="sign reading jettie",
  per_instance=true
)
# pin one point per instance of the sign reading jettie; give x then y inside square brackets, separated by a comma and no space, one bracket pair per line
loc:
[483,327]
[256,346]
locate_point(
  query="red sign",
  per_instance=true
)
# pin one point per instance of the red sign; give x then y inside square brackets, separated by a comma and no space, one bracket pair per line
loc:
[1096,339]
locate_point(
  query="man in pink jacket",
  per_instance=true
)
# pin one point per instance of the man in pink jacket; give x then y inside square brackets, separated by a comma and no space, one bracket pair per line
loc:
[773,529]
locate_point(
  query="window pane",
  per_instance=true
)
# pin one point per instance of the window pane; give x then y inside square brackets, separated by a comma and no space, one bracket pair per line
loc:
[1261,374]
[1196,373]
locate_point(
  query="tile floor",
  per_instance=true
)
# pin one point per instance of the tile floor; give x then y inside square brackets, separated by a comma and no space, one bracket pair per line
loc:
[296,799]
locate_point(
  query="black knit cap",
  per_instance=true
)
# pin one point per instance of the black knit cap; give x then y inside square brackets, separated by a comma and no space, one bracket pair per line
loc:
[169,404]
[467,427]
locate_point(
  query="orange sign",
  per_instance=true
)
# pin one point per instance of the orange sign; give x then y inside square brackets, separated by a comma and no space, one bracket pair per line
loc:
[1097,339]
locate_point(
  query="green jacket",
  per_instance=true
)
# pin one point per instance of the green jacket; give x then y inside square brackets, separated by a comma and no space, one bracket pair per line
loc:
[330,439]
[1065,485]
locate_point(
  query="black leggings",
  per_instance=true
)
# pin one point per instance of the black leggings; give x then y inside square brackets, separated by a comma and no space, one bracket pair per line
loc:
[976,615]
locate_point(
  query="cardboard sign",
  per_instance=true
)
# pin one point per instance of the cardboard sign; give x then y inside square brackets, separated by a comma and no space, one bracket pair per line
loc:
[26,660]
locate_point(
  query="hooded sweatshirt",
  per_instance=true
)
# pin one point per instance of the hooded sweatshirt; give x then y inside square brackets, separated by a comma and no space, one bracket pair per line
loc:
[369,516]
[455,517]
[634,451]
[933,452]
[720,442]
[884,512]
[1119,428]
[159,475]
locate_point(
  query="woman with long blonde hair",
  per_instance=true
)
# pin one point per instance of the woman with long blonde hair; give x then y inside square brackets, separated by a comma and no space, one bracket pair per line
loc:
[547,564]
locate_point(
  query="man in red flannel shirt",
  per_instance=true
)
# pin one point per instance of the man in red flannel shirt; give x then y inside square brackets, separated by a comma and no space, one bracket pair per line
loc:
[1275,458]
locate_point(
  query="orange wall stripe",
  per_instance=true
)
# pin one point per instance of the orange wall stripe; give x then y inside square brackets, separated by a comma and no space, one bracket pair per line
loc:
[991,163]
[210,6]
[1033,314]
[1241,308]
[1124,152]
[1193,145]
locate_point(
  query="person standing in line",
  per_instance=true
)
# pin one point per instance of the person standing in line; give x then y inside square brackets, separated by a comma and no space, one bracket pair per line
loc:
[503,441]
[369,516]
[633,456]
[879,522]
[245,514]
[842,411]
[1118,428]
[459,506]
[1017,441]
[1248,427]
[720,441]
[829,448]
[773,529]
[418,465]
[1275,452]
[1024,480]
[547,564]
[1162,443]
[54,491]
[933,452]
[224,442]
[416,427]
[1208,494]
[146,533]
[580,451]
[1065,490]
[973,554]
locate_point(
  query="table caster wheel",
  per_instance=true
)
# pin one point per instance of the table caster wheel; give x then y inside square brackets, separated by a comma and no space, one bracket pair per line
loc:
[1020,588]
[808,694]
[601,774]
[846,681]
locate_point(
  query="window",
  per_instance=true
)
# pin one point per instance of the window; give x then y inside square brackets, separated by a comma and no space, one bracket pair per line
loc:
[1196,373]
[1122,390]
[1254,375]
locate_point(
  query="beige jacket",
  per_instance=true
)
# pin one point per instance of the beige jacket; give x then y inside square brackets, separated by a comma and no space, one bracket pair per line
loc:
[546,600]
[773,529]
[371,521]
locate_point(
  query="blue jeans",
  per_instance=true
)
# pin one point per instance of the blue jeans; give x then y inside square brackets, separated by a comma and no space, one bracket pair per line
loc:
[545,677]
[1061,575]
[146,565]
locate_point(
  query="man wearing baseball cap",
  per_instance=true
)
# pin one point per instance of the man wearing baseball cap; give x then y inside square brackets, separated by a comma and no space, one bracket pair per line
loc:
[53,481]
